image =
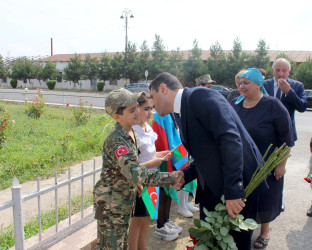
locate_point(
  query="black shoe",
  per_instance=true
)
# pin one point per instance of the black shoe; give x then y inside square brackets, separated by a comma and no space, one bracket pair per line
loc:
[283,207]
[309,212]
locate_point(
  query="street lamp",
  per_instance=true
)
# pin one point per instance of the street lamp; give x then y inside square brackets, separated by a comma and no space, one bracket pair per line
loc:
[124,15]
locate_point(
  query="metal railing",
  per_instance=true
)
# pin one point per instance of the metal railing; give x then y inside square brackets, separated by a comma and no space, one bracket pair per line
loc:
[55,97]
[17,204]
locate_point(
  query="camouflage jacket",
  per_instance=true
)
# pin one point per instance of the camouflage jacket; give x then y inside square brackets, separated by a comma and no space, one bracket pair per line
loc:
[121,172]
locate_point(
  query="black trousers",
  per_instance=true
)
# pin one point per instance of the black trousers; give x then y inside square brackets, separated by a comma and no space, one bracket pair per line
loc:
[163,208]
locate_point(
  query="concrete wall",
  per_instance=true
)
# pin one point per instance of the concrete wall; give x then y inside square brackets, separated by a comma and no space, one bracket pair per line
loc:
[83,84]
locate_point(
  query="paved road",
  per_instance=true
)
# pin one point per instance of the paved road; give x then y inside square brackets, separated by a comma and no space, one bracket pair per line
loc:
[56,97]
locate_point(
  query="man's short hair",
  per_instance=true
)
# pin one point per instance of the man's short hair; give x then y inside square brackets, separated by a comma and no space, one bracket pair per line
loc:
[170,80]
[281,60]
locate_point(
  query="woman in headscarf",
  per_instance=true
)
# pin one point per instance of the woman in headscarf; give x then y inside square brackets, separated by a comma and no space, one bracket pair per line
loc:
[268,122]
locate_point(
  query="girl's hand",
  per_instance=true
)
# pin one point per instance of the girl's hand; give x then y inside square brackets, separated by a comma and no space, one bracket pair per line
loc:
[168,156]
[165,155]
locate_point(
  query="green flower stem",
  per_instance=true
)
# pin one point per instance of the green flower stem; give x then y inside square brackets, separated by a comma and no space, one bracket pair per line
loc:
[274,160]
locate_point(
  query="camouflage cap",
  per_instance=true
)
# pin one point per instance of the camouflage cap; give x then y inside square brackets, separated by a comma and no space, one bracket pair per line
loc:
[204,79]
[120,98]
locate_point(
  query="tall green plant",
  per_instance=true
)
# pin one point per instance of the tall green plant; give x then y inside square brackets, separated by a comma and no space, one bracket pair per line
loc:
[304,73]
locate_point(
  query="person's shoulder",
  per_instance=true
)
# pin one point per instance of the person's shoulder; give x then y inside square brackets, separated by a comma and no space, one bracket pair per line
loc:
[268,81]
[295,82]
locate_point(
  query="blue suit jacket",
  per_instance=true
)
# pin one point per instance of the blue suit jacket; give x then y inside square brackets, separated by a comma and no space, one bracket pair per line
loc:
[295,99]
[225,155]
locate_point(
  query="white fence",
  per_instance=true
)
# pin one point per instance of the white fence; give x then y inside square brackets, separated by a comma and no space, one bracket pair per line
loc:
[17,205]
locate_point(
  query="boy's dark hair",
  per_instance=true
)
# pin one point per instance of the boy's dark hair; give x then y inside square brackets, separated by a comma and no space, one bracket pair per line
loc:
[120,110]
[144,98]
[170,80]
[311,143]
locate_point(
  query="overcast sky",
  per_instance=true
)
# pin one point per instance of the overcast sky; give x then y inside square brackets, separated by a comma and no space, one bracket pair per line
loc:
[94,26]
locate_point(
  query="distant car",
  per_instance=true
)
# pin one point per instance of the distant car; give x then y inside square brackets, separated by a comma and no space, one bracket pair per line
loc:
[309,98]
[222,90]
[134,87]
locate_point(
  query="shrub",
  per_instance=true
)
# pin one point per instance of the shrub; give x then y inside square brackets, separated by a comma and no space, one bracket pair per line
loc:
[51,84]
[81,113]
[13,83]
[36,107]
[4,123]
[100,86]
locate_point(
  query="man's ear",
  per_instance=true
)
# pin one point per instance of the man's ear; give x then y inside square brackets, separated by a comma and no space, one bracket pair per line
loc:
[117,118]
[163,88]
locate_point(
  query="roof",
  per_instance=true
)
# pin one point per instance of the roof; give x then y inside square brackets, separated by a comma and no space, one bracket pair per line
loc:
[297,56]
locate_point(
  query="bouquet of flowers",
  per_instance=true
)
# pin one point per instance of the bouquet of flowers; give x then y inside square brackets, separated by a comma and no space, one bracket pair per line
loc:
[214,232]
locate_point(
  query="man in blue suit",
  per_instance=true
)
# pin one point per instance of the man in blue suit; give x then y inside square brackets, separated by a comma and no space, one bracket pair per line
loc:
[290,92]
[225,156]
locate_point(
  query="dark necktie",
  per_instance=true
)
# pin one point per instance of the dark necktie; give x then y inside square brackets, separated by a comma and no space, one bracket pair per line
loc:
[278,93]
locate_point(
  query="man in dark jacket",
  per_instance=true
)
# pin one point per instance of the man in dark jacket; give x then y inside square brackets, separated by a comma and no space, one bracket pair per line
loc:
[225,156]
[289,91]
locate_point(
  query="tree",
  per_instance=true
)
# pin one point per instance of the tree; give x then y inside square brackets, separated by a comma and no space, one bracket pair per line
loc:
[175,66]
[49,71]
[24,69]
[194,66]
[105,71]
[74,70]
[261,58]
[158,62]
[117,67]
[90,70]
[3,69]
[134,69]
[217,63]
[304,73]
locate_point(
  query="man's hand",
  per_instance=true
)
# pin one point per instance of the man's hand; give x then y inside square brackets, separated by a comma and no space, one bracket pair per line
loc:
[279,171]
[179,180]
[284,85]
[234,207]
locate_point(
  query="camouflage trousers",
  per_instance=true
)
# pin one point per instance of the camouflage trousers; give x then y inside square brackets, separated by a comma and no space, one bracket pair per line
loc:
[112,233]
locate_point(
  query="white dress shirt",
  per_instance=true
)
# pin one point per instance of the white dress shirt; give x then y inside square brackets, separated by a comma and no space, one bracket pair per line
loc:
[177,102]
[146,142]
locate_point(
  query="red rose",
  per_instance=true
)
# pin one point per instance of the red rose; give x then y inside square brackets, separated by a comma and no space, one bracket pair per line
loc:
[307,180]
[195,242]
[189,248]
[192,237]
[67,104]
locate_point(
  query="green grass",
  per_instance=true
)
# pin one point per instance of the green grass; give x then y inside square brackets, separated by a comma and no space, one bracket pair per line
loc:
[39,147]
[47,220]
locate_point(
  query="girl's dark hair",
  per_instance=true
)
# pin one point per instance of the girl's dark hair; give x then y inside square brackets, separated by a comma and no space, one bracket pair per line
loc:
[144,98]
[311,143]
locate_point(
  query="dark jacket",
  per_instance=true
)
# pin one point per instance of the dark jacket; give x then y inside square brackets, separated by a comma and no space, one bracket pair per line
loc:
[225,156]
[295,99]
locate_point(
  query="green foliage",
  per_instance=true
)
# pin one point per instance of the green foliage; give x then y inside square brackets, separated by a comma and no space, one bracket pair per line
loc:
[49,71]
[51,84]
[34,146]
[82,113]
[175,63]
[100,86]
[24,69]
[36,106]
[3,69]
[144,56]
[13,83]
[304,73]
[214,231]
[194,66]
[135,71]
[90,68]
[117,67]
[74,70]
[158,63]
[105,70]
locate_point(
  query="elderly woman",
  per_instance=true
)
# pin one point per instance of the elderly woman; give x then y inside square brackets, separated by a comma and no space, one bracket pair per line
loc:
[268,122]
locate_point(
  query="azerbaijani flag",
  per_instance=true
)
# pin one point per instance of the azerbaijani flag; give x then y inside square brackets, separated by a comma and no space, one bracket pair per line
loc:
[150,196]
[180,157]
